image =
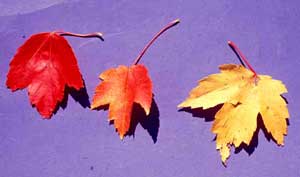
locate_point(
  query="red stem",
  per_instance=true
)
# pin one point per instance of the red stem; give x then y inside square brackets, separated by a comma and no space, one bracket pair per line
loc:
[171,24]
[96,34]
[242,56]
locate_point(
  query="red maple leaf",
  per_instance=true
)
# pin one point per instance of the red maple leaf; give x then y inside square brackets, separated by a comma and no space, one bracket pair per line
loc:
[45,64]
[124,86]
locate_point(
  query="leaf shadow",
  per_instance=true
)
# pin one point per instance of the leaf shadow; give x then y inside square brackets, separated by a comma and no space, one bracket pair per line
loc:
[148,122]
[286,101]
[138,116]
[254,141]
[207,114]
[81,96]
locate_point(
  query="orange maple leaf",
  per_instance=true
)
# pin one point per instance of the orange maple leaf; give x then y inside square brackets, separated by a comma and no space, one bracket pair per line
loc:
[244,96]
[122,87]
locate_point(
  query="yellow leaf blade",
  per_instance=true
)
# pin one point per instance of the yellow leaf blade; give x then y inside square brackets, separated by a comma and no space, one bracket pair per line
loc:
[244,97]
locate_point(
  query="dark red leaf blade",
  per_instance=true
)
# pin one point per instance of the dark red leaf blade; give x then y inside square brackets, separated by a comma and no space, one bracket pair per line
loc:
[45,64]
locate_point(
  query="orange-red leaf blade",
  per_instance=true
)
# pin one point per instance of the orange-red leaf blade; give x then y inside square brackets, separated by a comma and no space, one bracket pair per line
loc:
[120,89]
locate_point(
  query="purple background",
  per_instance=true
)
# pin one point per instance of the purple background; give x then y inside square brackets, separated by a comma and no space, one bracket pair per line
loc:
[78,142]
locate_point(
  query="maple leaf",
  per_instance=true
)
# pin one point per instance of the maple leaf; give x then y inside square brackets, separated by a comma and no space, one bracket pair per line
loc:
[45,64]
[122,87]
[244,96]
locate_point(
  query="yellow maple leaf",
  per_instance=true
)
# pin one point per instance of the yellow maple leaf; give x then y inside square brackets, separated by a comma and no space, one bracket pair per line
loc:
[244,96]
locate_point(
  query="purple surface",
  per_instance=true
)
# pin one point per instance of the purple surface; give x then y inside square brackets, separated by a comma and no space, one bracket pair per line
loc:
[78,142]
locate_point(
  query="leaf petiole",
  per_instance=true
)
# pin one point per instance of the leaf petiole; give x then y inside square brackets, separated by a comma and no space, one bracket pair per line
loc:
[242,56]
[96,34]
[171,24]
